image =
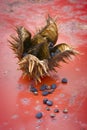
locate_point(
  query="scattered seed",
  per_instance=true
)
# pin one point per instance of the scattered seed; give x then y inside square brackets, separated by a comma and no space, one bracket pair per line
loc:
[45,100]
[43,87]
[52,54]
[57,51]
[45,93]
[65,110]
[50,44]
[53,86]
[64,80]
[49,103]
[39,115]
[50,91]
[56,110]
[52,115]
[33,89]
[47,108]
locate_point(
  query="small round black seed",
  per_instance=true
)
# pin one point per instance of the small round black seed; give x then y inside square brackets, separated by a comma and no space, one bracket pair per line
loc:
[52,115]
[33,89]
[45,93]
[56,110]
[45,100]
[24,54]
[52,54]
[49,103]
[64,80]
[39,115]
[51,91]
[53,86]
[57,51]
[50,44]
[47,108]
[65,110]
[43,87]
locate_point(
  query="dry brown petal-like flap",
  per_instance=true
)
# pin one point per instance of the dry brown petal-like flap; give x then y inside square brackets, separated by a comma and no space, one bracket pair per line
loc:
[64,53]
[34,67]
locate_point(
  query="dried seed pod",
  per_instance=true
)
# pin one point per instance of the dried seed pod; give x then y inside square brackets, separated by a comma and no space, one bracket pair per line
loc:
[38,54]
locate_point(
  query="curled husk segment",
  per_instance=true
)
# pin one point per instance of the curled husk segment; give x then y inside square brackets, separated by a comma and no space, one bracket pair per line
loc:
[39,54]
[34,67]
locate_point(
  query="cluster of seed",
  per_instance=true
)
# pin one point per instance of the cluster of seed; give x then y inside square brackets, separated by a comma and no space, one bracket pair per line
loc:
[53,53]
[45,91]
[53,114]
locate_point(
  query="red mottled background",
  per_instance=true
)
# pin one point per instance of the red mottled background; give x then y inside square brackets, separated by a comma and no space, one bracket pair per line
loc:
[18,106]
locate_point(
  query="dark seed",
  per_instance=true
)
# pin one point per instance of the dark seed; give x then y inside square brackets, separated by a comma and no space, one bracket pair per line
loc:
[64,80]
[50,91]
[45,93]
[24,54]
[47,108]
[65,110]
[52,115]
[43,87]
[53,86]
[57,51]
[39,115]
[49,103]
[50,44]
[52,54]
[33,89]
[56,110]
[45,100]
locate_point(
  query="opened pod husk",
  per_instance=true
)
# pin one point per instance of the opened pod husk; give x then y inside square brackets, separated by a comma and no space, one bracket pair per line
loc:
[39,54]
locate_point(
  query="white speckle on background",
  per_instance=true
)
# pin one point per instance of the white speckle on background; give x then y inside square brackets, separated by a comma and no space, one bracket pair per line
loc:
[5,123]
[25,101]
[15,116]
[77,69]
[37,101]
[26,112]
[66,8]
[38,107]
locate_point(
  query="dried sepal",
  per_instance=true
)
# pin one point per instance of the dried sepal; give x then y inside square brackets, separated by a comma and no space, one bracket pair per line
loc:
[50,31]
[21,44]
[63,52]
[34,67]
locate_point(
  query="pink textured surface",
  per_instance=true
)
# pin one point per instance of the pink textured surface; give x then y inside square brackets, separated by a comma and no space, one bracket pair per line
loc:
[18,106]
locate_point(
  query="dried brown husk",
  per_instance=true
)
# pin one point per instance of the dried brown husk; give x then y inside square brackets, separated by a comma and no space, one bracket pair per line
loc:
[34,54]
